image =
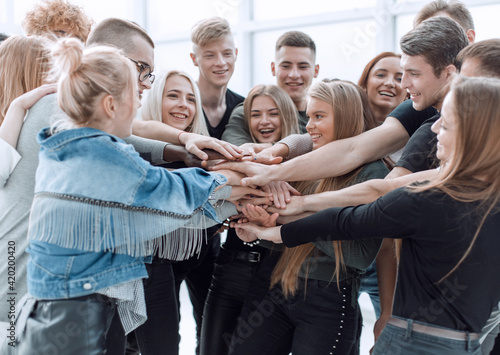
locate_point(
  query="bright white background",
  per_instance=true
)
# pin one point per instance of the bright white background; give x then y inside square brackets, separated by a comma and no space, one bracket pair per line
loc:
[347,34]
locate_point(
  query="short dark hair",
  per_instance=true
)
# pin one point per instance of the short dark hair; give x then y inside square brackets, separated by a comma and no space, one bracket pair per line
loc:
[455,9]
[118,33]
[438,40]
[296,39]
[486,53]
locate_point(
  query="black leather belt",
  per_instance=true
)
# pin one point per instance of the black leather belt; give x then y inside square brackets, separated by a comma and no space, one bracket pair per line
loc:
[240,255]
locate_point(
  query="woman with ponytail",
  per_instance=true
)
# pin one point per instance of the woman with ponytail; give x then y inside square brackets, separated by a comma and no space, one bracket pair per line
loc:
[100,209]
[314,287]
[448,226]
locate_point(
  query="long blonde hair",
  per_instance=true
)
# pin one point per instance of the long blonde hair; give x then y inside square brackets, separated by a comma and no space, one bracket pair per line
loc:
[151,110]
[24,65]
[473,172]
[348,121]
[284,104]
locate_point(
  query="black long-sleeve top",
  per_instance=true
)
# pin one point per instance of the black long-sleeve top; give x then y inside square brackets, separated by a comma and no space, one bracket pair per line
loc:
[436,231]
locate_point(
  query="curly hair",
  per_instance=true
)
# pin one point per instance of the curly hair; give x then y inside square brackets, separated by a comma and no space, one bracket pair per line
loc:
[57,17]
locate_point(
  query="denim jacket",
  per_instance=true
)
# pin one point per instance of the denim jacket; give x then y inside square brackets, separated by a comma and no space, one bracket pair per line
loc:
[99,209]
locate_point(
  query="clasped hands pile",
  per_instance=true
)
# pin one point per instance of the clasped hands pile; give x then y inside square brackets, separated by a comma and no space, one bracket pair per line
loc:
[262,204]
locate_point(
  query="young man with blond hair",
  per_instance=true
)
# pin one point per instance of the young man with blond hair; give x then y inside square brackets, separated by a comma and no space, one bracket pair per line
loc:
[214,53]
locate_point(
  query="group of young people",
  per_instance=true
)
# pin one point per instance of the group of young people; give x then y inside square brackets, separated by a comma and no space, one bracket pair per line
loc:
[106,209]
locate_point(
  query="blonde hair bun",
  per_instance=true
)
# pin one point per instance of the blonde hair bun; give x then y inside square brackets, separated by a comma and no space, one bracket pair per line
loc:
[67,56]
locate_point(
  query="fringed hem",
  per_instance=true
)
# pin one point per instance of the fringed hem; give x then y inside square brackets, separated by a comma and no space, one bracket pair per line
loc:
[96,226]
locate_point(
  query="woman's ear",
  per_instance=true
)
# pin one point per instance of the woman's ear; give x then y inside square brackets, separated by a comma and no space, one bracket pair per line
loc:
[108,103]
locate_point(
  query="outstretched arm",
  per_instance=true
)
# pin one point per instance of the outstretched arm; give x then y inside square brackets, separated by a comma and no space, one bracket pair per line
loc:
[194,143]
[334,159]
[289,147]
[358,194]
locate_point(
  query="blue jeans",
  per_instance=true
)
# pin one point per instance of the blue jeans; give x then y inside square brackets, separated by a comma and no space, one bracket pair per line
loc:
[318,319]
[395,341]
[369,284]
[491,329]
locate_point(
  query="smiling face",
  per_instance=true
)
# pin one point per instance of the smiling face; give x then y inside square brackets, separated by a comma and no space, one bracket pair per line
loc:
[216,60]
[295,70]
[419,80]
[320,125]
[265,120]
[446,131]
[383,86]
[178,103]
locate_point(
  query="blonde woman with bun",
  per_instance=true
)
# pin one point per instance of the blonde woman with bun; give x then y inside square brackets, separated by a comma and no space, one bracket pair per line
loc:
[99,208]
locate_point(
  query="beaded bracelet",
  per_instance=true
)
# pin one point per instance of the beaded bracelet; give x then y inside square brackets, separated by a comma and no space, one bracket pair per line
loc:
[252,244]
[179,136]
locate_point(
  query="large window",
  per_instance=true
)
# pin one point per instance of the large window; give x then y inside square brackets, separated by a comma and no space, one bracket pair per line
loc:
[347,33]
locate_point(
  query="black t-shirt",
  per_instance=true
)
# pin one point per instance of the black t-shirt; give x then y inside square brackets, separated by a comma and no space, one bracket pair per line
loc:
[410,118]
[436,232]
[420,151]
[232,99]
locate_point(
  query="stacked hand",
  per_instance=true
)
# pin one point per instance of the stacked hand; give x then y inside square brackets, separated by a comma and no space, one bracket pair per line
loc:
[196,144]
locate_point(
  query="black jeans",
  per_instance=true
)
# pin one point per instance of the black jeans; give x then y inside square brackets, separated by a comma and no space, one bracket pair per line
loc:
[197,272]
[321,321]
[160,333]
[240,281]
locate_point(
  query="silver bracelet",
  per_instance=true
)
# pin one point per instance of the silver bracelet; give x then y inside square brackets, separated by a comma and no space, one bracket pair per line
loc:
[252,244]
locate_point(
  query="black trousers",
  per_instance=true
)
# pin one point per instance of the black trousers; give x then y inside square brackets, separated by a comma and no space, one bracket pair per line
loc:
[240,281]
[160,333]
[197,272]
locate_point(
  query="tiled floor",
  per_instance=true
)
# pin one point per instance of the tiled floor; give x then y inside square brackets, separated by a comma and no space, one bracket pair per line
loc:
[187,327]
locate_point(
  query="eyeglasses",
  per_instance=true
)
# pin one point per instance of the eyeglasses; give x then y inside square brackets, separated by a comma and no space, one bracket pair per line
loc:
[144,72]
